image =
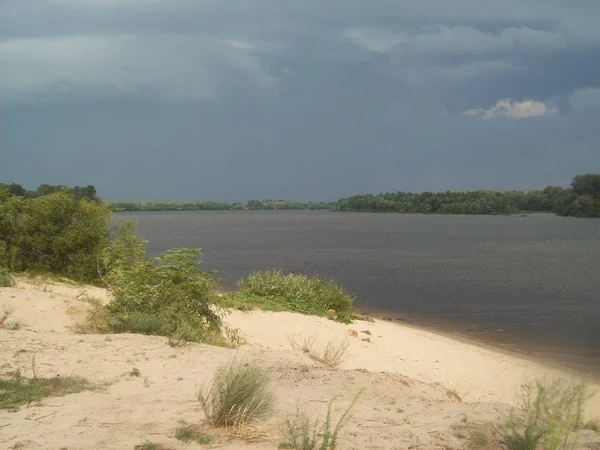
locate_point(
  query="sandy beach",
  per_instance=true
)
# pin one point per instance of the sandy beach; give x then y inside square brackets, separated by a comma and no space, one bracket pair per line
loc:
[423,390]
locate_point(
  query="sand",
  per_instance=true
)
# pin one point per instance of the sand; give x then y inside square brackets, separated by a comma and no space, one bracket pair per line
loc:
[423,390]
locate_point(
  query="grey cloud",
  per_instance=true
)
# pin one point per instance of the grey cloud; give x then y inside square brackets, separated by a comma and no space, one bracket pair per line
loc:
[169,67]
[231,100]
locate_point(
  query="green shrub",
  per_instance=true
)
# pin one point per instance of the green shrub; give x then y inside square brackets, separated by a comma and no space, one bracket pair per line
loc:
[5,279]
[238,394]
[53,233]
[275,291]
[549,413]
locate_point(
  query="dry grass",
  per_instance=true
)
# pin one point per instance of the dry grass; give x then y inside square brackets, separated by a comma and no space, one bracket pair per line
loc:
[331,355]
[239,393]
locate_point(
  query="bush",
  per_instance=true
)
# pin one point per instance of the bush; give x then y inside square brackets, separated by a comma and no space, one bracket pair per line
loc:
[274,291]
[54,233]
[238,394]
[164,295]
[5,279]
[548,413]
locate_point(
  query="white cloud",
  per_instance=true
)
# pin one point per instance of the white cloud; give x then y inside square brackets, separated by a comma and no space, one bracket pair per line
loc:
[167,67]
[512,109]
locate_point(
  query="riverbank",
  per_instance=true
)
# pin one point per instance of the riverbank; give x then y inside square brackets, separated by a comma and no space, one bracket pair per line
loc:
[518,344]
[424,390]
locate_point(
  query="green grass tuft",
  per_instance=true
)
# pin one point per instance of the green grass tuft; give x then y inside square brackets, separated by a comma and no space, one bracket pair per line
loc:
[273,290]
[238,394]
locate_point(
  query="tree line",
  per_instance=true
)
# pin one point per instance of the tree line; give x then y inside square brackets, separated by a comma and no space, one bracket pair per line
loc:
[258,205]
[78,192]
[582,199]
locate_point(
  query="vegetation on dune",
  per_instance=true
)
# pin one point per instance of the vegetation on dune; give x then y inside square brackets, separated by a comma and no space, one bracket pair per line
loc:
[165,295]
[273,290]
[548,414]
[19,390]
[238,394]
[300,433]
[581,200]
[52,233]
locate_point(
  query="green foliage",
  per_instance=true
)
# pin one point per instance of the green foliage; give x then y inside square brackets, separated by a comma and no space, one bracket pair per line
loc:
[191,433]
[53,233]
[165,295]
[300,433]
[549,413]
[238,394]
[583,200]
[274,291]
[19,391]
[6,280]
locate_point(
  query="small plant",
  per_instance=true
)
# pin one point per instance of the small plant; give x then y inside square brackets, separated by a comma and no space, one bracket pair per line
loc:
[549,414]
[152,446]
[185,434]
[4,321]
[238,394]
[135,372]
[479,438]
[305,345]
[192,434]
[331,355]
[301,434]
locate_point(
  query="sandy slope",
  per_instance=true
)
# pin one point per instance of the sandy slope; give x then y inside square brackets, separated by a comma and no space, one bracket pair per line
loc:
[407,372]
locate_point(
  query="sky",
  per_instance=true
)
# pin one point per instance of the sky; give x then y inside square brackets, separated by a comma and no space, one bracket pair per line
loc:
[305,100]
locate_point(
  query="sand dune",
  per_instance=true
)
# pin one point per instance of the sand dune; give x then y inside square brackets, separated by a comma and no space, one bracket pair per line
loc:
[424,390]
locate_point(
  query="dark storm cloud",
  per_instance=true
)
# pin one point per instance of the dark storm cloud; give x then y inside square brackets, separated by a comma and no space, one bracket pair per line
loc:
[240,99]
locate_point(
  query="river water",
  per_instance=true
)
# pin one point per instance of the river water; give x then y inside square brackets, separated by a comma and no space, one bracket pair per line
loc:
[529,284]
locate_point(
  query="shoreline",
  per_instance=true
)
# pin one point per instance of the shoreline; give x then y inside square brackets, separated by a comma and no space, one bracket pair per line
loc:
[536,352]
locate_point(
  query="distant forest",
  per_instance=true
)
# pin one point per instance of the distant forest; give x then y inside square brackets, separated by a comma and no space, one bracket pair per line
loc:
[582,199]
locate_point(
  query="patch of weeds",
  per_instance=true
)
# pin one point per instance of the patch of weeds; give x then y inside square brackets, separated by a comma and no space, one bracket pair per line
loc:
[300,432]
[272,290]
[135,372]
[548,414]
[204,439]
[152,446]
[20,391]
[480,438]
[238,394]
[331,355]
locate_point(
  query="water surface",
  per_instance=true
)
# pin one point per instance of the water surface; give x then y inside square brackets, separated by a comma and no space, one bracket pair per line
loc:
[530,283]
